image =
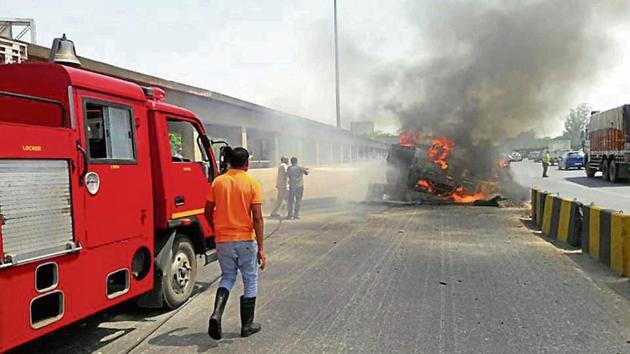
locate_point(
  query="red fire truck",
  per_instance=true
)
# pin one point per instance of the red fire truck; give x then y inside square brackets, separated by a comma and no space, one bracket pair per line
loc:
[102,196]
[607,144]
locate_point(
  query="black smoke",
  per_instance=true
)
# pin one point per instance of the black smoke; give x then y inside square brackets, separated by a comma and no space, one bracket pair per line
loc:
[487,70]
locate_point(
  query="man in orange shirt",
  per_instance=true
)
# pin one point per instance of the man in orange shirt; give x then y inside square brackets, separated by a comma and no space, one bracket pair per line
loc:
[235,214]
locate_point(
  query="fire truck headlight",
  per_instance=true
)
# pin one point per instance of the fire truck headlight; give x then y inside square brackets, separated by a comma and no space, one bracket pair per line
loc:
[141,263]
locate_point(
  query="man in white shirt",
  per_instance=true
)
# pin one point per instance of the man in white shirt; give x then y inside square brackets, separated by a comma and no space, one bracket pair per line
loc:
[281,186]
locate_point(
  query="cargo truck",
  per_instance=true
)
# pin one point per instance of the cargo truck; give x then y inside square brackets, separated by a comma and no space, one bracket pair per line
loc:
[607,144]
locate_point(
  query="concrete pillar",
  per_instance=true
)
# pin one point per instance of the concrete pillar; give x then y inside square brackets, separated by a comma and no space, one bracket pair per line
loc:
[276,150]
[244,137]
[300,155]
[332,152]
[340,152]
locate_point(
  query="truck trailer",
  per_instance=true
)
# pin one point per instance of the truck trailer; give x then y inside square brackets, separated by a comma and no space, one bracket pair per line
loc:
[607,144]
[102,195]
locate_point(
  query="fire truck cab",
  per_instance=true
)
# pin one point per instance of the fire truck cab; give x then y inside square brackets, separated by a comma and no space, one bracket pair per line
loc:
[102,196]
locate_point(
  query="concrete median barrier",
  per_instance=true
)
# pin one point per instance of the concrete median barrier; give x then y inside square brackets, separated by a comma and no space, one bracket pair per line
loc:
[551,213]
[570,222]
[604,235]
[562,220]
[541,198]
[534,203]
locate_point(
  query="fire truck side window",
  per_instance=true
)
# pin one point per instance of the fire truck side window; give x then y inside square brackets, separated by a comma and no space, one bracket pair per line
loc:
[110,133]
[185,143]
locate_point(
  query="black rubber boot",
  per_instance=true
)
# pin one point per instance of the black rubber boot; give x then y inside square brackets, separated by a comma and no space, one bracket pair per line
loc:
[214,324]
[248,306]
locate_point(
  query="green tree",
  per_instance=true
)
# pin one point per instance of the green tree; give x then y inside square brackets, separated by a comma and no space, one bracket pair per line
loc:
[176,143]
[575,122]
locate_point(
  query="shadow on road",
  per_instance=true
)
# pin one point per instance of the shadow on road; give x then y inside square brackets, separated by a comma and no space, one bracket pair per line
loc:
[97,331]
[172,339]
[92,333]
[594,182]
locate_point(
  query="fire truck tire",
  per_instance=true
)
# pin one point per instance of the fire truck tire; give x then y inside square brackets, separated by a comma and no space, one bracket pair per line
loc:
[179,281]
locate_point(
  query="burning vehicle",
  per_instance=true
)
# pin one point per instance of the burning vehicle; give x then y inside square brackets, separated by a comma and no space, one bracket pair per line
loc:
[433,169]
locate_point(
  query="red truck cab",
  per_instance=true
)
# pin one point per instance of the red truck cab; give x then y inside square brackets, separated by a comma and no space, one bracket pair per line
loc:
[102,196]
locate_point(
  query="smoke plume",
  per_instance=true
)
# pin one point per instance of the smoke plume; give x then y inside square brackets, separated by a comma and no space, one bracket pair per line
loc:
[487,70]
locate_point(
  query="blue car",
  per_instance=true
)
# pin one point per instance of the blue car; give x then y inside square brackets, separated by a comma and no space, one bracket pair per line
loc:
[571,159]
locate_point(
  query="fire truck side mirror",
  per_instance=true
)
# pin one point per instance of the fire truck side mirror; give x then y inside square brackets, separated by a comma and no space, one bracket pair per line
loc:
[224,158]
[224,151]
[204,142]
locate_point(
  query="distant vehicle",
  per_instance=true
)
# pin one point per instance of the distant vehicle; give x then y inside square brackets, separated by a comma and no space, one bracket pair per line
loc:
[571,159]
[606,145]
[515,156]
[535,156]
[557,148]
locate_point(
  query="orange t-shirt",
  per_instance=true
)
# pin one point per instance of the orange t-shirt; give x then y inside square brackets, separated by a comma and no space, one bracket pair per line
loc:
[233,194]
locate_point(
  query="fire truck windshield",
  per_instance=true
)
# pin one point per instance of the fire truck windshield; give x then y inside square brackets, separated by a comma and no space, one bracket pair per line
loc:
[185,144]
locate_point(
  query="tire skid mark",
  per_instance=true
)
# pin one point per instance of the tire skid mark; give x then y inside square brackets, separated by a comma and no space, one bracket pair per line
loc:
[358,270]
[387,258]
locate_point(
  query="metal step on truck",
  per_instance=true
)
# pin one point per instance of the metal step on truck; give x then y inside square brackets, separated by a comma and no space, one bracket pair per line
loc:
[102,195]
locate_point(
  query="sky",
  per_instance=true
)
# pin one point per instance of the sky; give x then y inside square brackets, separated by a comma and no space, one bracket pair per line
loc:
[278,53]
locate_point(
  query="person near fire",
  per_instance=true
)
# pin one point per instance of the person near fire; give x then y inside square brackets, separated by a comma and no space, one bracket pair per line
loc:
[281,186]
[296,175]
[234,211]
[545,162]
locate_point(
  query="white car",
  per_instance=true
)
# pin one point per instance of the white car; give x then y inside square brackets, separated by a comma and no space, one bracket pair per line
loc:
[515,156]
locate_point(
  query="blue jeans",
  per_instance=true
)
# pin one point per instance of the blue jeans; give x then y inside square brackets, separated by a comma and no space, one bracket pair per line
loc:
[295,198]
[235,256]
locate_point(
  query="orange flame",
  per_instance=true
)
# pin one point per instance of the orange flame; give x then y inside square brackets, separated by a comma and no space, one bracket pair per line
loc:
[409,138]
[460,195]
[439,151]
[426,185]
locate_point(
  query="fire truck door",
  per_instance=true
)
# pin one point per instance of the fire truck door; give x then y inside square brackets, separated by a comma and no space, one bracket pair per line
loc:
[117,182]
[189,171]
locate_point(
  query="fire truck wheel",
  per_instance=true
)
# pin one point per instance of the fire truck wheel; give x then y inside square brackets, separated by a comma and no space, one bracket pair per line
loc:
[179,280]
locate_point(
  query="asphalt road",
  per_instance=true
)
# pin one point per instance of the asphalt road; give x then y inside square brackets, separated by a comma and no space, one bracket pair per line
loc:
[375,279]
[574,184]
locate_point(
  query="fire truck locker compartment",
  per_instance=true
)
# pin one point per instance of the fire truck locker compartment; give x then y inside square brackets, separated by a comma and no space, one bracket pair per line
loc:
[35,208]
[81,281]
